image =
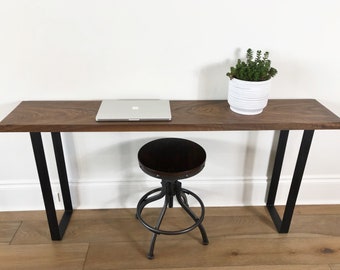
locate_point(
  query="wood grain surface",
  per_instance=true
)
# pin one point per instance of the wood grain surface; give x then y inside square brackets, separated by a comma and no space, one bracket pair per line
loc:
[187,115]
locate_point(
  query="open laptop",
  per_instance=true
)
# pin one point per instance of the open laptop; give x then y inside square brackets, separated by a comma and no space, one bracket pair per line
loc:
[134,110]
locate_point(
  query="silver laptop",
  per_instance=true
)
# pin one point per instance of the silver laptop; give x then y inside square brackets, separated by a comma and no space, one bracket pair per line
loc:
[134,110]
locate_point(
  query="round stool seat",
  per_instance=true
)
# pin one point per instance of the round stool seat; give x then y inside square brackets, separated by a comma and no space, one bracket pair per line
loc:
[171,158]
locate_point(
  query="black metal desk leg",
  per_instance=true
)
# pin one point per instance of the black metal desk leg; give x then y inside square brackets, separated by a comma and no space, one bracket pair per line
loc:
[283,225]
[63,180]
[280,152]
[296,181]
[57,231]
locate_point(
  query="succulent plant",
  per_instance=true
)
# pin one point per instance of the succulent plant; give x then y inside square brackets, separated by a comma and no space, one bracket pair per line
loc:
[256,68]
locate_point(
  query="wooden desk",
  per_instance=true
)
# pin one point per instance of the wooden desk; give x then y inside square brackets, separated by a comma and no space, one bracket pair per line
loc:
[79,116]
[204,115]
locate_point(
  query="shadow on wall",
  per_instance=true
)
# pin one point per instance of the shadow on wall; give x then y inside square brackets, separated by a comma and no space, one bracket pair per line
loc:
[104,161]
[212,79]
[248,166]
[273,151]
[6,108]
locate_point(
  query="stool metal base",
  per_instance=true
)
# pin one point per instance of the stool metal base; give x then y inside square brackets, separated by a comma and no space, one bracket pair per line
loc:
[169,190]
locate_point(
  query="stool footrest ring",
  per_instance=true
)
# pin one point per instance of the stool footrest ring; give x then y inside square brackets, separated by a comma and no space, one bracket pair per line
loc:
[147,198]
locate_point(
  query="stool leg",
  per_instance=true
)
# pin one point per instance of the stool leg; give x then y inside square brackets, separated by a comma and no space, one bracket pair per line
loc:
[171,202]
[158,224]
[146,199]
[185,199]
[184,204]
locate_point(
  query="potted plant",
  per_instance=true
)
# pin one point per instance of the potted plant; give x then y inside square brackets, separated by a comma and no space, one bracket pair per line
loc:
[249,83]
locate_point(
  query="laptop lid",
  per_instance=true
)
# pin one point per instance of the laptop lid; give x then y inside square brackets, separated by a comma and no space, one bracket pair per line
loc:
[134,110]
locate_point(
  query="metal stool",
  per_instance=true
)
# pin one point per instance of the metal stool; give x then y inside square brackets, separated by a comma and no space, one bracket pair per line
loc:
[171,159]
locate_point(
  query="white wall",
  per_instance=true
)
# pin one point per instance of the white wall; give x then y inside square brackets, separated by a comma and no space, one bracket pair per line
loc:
[175,49]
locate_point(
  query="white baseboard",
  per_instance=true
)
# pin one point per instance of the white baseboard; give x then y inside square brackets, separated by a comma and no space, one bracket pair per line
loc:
[125,194]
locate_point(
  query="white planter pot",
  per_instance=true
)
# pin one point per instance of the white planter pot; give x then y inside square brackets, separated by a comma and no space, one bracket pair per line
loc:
[245,97]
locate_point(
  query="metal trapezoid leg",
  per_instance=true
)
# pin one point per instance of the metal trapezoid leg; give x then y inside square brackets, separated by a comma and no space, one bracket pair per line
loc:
[283,225]
[296,181]
[45,184]
[57,230]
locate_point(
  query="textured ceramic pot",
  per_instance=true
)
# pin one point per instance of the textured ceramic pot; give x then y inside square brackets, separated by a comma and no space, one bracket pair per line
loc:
[245,97]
